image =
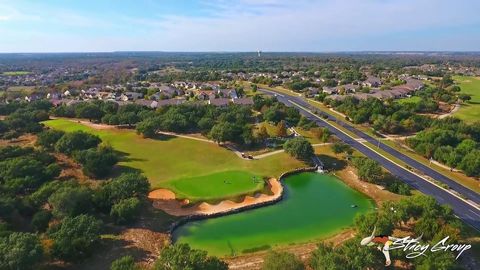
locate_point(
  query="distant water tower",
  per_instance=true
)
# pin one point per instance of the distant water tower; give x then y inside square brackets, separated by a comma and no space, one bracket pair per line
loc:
[259,53]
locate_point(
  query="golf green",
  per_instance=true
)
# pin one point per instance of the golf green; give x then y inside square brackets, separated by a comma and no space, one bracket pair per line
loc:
[316,206]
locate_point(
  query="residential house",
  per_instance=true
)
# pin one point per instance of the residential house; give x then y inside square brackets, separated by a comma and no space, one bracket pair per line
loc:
[329,90]
[227,93]
[147,103]
[133,95]
[312,91]
[243,101]
[219,102]
[372,82]
[170,102]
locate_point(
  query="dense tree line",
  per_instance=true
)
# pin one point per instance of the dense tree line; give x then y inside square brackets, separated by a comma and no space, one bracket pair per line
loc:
[452,142]
[62,212]
[22,117]
[385,116]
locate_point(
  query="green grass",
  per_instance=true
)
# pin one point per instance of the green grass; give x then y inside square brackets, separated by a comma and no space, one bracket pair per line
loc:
[16,73]
[413,99]
[469,111]
[193,169]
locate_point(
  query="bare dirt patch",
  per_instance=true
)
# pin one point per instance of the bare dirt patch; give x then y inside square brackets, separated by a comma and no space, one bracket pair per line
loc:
[70,169]
[376,192]
[23,140]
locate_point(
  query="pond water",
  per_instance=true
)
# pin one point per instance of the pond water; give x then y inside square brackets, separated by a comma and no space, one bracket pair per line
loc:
[315,206]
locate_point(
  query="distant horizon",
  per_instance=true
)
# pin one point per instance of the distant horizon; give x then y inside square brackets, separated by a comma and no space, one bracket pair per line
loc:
[253,52]
[50,26]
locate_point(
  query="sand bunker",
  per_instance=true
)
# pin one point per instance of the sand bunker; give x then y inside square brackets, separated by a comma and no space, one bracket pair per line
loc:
[164,199]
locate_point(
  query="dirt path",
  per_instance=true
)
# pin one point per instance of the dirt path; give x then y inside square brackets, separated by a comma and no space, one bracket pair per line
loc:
[454,110]
[185,136]
[165,200]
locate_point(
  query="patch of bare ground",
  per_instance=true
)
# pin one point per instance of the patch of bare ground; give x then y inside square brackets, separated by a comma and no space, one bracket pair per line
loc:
[24,140]
[255,260]
[143,240]
[376,192]
[70,168]
[142,244]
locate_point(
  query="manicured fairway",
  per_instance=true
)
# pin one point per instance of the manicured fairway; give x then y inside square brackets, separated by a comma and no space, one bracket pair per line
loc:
[192,169]
[316,206]
[469,111]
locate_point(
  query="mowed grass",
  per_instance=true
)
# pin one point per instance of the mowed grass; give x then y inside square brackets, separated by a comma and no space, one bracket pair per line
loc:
[192,169]
[16,73]
[413,99]
[469,111]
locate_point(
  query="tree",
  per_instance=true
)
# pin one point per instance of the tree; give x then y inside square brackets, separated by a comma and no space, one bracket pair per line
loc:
[125,211]
[281,129]
[368,169]
[470,163]
[325,258]
[282,261]
[322,134]
[464,97]
[40,220]
[89,111]
[123,187]
[222,132]
[75,238]
[148,127]
[262,133]
[340,147]
[20,251]
[124,263]
[49,138]
[77,140]
[71,201]
[299,148]
[97,162]
[181,256]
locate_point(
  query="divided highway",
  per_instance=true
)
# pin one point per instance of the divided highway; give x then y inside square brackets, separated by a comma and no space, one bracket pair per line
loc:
[466,211]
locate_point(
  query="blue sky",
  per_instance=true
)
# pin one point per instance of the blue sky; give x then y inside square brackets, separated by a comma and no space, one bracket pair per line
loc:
[238,25]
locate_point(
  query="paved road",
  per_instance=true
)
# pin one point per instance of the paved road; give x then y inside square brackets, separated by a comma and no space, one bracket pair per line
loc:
[465,211]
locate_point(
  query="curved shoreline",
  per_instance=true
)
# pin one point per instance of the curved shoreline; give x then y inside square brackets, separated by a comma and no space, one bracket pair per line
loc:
[240,207]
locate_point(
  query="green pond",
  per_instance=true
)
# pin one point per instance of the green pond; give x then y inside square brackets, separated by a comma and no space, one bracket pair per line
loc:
[315,206]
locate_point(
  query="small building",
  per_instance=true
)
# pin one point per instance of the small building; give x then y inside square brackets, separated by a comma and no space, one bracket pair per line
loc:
[243,101]
[219,102]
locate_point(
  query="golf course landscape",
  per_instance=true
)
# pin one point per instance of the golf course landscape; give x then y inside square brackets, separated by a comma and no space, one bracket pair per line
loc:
[316,206]
[470,110]
[193,169]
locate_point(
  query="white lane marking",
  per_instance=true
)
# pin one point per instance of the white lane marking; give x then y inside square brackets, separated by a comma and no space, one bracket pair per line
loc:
[433,183]
[273,92]
[474,213]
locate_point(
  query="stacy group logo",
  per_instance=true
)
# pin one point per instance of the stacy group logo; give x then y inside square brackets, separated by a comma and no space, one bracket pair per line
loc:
[411,245]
